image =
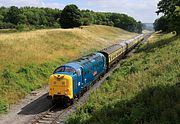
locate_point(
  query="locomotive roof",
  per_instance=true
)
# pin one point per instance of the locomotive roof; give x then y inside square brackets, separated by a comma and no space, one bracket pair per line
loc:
[87,59]
[73,65]
[81,62]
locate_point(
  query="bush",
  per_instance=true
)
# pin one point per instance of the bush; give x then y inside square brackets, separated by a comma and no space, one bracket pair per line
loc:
[20,27]
[4,25]
[3,106]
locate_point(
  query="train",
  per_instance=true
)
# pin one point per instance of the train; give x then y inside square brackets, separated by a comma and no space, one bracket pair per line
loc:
[71,80]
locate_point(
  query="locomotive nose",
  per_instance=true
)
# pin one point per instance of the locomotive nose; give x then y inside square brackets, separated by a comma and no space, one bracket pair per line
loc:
[60,85]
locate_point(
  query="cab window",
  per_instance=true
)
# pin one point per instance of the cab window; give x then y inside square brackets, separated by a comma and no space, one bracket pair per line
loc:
[69,69]
[60,69]
[65,69]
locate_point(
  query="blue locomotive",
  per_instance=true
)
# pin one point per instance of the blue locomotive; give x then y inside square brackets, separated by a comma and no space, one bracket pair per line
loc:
[71,80]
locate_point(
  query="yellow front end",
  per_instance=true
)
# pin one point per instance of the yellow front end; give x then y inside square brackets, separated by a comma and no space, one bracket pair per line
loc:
[61,85]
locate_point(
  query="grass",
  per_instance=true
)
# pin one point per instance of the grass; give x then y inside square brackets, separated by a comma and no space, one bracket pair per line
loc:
[8,31]
[45,45]
[144,90]
[28,58]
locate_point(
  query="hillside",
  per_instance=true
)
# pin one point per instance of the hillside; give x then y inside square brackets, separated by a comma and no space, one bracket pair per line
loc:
[145,89]
[28,58]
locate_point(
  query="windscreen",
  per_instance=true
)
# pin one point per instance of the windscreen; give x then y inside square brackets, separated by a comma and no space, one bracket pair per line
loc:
[65,69]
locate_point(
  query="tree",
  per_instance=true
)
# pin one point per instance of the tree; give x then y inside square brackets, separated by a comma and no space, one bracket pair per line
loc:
[139,27]
[175,20]
[167,6]
[34,17]
[161,24]
[170,9]
[22,19]
[70,17]
[1,18]
[87,17]
[13,15]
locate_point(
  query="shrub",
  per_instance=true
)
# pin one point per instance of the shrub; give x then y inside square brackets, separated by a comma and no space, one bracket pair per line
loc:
[3,106]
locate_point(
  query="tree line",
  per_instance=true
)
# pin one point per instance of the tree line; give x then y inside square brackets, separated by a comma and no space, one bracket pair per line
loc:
[71,16]
[170,21]
[33,17]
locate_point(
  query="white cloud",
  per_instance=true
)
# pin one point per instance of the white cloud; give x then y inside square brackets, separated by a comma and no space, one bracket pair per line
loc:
[143,10]
[36,3]
[53,5]
[21,2]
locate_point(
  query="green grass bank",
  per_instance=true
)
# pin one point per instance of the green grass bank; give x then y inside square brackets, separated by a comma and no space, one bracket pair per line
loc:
[27,59]
[144,90]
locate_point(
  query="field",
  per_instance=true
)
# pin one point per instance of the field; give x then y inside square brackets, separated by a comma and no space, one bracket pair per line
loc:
[28,58]
[144,90]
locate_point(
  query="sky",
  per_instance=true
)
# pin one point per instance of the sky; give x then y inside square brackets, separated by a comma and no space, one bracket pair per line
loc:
[141,10]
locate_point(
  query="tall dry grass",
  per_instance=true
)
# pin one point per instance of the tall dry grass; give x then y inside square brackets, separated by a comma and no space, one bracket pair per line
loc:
[46,45]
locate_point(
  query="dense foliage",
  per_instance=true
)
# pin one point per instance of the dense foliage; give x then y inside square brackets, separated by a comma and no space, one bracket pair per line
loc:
[111,19]
[14,17]
[171,18]
[161,24]
[70,16]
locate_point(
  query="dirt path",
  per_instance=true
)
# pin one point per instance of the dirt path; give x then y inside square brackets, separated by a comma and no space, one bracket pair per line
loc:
[27,108]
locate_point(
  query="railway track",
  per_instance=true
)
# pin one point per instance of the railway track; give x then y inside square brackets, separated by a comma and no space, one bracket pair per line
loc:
[50,116]
[58,117]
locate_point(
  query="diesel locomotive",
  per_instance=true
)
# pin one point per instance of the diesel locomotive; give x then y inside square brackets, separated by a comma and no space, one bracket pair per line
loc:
[71,80]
